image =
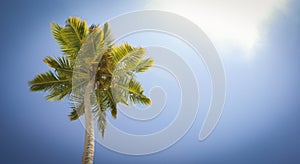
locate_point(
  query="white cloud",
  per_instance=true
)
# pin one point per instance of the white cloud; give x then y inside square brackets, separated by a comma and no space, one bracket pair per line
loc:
[234,22]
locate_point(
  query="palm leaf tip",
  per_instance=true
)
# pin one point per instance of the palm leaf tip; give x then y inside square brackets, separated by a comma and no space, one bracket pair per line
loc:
[50,61]
[73,115]
[56,33]
[146,101]
[101,121]
[114,113]
[144,65]
[42,81]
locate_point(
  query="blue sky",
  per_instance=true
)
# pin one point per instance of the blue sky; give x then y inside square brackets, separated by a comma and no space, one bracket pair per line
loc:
[260,123]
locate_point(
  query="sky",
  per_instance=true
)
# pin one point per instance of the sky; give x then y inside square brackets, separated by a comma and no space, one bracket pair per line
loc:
[257,42]
[228,22]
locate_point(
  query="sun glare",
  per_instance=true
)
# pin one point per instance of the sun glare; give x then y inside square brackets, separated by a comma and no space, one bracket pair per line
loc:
[232,22]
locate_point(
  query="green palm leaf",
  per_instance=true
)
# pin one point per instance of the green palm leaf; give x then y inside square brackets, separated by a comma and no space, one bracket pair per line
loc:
[126,58]
[133,92]
[77,111]
[144,65]
[62,66]
[70,37]
[108,37]
[137,96]
[57,86]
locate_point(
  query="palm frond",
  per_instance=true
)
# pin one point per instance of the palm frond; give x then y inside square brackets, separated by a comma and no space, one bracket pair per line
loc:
[70,37]
[62,66]
[58,92]
[56,32]
[76,112]
[123,50]
[113,104]
[133,92]
[126,58]
[119,52]
[58,87]
[78,26]
[100,116]
[58,62]
[44,81]
[105,101]
[136,92]
[144,65]
[121,95]
[108,37]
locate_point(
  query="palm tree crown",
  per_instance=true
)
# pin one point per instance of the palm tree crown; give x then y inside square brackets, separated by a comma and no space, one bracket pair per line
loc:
[90,55]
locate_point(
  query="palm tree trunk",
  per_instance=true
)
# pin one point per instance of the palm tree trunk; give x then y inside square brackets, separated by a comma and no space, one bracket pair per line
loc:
[89,140]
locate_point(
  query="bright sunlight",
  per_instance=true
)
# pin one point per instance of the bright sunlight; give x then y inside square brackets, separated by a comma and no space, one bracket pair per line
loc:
[231,22]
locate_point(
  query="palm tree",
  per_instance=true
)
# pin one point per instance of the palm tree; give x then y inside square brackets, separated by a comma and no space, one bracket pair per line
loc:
[94,74]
